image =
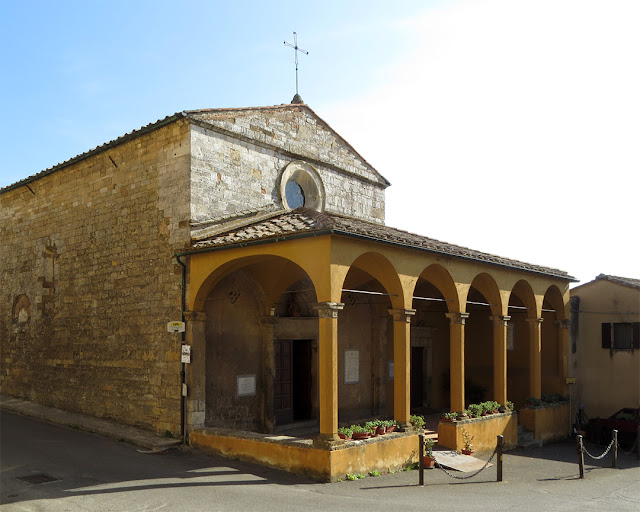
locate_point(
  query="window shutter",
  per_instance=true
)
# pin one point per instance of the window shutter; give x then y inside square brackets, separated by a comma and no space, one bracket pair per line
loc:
[606,335]
[636,335]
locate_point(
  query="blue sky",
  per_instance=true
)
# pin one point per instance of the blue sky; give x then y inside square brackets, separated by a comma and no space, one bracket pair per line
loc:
[506,126]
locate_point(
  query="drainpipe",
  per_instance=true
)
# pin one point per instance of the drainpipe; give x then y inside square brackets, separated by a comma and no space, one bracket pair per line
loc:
[183,372]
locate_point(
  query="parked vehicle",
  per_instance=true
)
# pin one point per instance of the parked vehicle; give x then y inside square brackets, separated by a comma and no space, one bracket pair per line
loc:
[625,421]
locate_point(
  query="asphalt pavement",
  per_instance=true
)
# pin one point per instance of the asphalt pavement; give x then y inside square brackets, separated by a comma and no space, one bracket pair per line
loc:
[49,467]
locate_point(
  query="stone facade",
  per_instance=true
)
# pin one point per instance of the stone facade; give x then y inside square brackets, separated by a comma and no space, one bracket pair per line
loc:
[238,157]
[89,272]
[88,250]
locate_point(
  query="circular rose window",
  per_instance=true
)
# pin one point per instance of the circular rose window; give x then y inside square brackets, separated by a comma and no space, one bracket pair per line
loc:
[300,185]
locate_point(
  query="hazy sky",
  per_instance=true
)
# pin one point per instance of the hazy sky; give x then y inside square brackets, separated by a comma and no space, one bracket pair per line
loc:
[508,126]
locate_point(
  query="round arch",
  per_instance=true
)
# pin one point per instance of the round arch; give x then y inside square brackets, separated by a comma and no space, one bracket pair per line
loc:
[487,286]
[380,268]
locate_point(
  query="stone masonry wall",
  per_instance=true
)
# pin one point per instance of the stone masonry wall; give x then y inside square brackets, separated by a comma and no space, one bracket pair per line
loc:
[89,280]
[241,171]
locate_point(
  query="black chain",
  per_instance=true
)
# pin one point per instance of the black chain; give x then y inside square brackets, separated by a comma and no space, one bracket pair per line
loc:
[584,450]
[438,465]
[632,450]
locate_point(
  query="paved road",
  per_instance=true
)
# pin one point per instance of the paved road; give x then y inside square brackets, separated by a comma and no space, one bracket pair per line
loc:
[96,473]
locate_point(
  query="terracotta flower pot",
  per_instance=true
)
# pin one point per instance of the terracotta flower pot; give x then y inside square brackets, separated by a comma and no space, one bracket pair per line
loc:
[360,435]
[428,462]
[380,431]
[467,452]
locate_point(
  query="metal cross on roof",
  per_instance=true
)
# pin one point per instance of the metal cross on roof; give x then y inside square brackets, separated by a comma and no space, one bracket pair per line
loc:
[296,50]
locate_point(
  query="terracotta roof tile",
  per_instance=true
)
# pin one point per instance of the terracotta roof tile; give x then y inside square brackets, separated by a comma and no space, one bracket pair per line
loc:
[283,225]
[625,281]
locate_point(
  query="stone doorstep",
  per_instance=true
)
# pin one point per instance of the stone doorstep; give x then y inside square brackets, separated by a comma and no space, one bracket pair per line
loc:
[526,439]
[137,436]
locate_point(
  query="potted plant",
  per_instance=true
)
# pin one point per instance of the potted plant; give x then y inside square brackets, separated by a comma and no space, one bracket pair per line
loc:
[428,460]
[449,416]
[345,432]
[417,422]
[390,425]
[467,439]
[475,410]
[463,415]
[376,427]
[360,432]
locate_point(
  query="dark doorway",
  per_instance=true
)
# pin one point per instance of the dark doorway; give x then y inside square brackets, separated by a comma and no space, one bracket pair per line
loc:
[292,392]
[417,377]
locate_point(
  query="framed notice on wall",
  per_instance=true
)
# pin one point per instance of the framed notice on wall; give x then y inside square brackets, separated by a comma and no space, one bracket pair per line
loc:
[246,385]
[510,345]
[351,366]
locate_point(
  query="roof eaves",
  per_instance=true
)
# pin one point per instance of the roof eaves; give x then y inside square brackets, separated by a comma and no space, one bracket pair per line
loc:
[98,149]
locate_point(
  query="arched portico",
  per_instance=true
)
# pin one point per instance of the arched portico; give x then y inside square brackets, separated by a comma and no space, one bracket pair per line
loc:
[471,305]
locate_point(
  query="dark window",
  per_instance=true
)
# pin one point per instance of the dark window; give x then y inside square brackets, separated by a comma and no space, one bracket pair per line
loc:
[294,194]
[621,336]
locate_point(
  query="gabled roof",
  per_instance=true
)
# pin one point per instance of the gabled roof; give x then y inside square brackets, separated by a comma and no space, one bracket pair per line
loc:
[213,117]
[273,125]
[624,281]
[287,225]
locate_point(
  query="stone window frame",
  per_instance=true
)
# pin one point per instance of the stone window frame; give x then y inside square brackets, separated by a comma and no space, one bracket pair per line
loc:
[309,181]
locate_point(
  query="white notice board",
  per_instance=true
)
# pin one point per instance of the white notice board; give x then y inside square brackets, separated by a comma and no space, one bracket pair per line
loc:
[351,366]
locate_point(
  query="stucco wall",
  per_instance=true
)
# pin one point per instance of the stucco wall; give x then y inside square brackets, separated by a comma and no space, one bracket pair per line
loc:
[606,380]
[87,251]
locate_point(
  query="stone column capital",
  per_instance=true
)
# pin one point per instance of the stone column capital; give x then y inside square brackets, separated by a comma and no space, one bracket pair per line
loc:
[499,320]
[402,315]
[194,316]
[457,318]
[534,320]
[328,309]
[563,324]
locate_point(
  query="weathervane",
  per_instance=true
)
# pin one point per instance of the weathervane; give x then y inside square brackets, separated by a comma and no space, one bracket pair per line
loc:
[296,50]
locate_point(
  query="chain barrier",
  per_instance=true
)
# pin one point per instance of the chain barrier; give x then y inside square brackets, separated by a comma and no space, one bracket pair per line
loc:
[439,466]
[584,450]
[632,450]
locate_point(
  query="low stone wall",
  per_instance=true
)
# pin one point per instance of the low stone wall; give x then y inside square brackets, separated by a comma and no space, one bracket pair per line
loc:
[391,451]
[484,430]
[548,423]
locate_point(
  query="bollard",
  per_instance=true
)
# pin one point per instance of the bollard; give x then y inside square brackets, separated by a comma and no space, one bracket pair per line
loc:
[421,458]
[580,456]
[499,450]
[614,462]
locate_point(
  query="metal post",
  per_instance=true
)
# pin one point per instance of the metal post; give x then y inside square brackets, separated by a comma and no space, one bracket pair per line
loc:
[614,462]
[638,443]
[421,458]
[580,455]
[499,450]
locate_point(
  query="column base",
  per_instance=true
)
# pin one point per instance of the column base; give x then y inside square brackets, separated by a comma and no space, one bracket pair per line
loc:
[327,441]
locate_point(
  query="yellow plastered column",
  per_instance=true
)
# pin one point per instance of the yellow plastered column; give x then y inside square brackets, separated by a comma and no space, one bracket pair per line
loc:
[328,368]
[456,358]
[500,358]
[535,350]
[402,364]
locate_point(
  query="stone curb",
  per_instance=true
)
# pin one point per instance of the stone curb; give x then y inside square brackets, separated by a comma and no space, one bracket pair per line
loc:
[100,426]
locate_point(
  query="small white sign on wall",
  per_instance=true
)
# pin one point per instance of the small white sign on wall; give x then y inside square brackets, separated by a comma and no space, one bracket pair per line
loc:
[351,366]
[390,364]
[246,385]
[185,354]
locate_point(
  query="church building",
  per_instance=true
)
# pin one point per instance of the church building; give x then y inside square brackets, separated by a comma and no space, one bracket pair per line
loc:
[264,232]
